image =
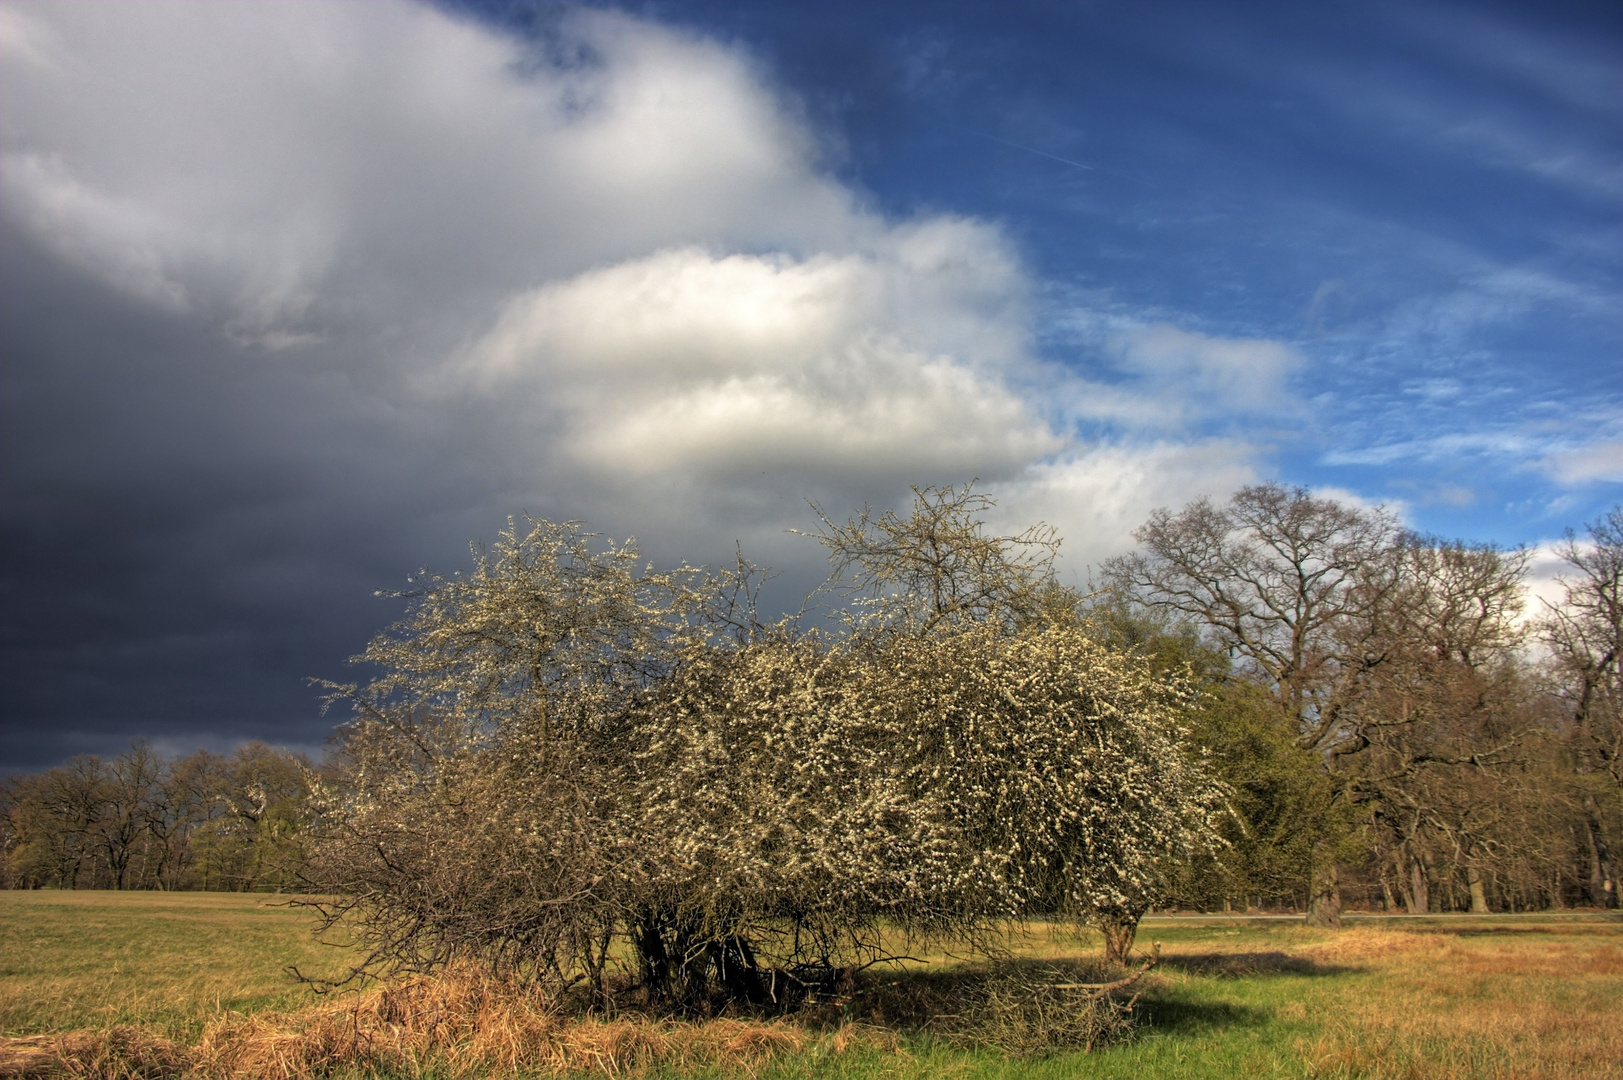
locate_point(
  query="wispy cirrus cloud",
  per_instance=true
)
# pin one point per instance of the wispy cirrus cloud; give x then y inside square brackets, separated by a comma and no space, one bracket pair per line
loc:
[1600,461]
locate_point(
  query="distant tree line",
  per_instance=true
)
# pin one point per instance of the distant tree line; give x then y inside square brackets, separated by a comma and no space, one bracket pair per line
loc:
[1391,721]
[145,821]
[1279,701]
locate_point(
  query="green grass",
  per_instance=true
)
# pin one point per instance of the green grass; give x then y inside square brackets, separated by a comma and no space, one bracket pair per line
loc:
[1197,1023]
[1443,997]
[164,960]
[1422,999]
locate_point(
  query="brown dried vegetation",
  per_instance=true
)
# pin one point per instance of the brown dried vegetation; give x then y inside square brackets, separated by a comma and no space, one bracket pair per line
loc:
[459,1023]
[1475,1005]
[464,1023]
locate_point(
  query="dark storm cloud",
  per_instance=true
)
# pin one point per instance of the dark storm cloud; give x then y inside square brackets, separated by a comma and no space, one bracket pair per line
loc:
[300,298]
[297,298]
[184,531]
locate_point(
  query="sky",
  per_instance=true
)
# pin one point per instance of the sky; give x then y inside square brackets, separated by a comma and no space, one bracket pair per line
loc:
[296,299]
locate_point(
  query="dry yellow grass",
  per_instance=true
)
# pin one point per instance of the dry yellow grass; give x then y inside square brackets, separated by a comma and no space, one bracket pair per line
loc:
[452,1025]
[1492,1006]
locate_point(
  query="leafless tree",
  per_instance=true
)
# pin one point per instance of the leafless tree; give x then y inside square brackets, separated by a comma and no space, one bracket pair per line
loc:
[1585,634]
[141,821]
[1443,711]
[1392,654]
[1276,576]
[940,566]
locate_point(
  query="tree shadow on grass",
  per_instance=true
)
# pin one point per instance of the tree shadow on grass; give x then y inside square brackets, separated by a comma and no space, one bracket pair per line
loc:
[1004,1005]
[918,1000]
[1174,1016]
[1591,929]
[1229,965]
[1022,1008]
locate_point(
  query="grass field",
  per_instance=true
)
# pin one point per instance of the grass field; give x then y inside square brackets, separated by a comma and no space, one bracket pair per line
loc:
[163,960]
[1444,997]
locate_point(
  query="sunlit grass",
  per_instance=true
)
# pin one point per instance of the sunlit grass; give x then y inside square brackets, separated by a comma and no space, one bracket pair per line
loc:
[1433,999]
[163,960]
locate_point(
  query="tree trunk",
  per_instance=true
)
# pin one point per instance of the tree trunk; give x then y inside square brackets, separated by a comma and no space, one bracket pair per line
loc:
[1602,889]
[736,970]
[1418,896]
[1596,891]
[1324,897]
[653,959]
[1479,895]
[1120,929]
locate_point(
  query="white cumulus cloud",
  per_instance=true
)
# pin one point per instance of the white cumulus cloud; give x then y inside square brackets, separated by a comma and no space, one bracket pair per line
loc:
[601,274]
[689,361]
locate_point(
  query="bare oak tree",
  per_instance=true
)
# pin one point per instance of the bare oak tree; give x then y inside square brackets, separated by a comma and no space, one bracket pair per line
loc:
[1277,576]
[1441,711]
[1585,634]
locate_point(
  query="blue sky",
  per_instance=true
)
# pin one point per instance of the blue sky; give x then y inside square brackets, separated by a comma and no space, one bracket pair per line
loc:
[1422,199]
[298,298]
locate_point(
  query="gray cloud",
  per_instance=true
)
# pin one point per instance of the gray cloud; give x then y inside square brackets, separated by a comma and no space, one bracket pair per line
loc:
[301,297]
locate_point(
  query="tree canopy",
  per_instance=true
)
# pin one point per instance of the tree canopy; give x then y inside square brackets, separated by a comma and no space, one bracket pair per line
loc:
[562,750]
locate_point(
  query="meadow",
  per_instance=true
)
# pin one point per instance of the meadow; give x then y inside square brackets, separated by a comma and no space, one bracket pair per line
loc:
[124,984]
